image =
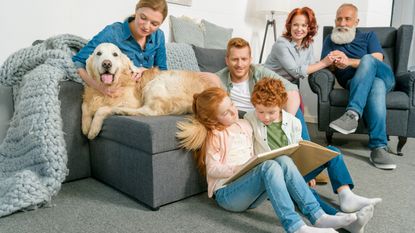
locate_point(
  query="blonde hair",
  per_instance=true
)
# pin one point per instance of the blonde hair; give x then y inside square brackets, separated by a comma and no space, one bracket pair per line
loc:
[157,5]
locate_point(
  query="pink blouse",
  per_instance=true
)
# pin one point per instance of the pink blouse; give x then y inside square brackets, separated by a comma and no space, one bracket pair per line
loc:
[217,150]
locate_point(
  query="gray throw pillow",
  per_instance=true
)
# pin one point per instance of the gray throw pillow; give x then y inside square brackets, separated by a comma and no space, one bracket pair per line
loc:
[180,56]
[210,60]
[186,31]
[216,37]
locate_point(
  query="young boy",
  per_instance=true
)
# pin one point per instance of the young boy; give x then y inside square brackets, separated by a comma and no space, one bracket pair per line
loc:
[274,128]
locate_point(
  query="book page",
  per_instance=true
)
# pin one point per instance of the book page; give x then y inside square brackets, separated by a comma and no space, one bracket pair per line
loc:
[286,150]
[306,155]
[310,156]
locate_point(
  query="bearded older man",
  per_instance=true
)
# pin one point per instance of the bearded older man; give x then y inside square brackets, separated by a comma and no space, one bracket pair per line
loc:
[359,67]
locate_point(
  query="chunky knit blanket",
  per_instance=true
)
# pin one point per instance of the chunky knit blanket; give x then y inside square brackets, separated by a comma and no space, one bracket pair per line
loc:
[33,156]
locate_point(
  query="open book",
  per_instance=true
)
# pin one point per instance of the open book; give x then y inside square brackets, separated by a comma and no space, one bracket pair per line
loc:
[306,155]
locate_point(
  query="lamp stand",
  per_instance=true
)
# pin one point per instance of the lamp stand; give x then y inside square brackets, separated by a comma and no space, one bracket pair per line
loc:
[270,22]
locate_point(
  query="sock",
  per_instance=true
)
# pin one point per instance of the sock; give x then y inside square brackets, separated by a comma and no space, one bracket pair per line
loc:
[308,229]
[363,217]
[350,202]
[335,221]
[356,116]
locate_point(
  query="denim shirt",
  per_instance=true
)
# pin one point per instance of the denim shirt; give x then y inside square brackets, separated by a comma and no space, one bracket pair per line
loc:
[154,54]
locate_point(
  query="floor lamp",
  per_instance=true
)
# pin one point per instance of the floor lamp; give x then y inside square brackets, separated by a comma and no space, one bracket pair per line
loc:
[272,7]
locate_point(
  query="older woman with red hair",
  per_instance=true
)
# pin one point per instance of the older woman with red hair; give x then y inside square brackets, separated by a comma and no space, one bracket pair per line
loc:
[292,54]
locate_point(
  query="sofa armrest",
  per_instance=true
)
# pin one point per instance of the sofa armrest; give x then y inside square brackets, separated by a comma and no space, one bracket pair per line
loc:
[406,82]
[321,83]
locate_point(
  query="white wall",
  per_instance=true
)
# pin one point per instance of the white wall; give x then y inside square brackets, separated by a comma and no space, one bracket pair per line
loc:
[23,21]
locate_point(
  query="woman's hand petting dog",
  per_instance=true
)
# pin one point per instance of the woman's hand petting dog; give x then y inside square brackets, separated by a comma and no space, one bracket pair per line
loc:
[138,72]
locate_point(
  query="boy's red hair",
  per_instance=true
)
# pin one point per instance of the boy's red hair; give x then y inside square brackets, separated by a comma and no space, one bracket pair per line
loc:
[269,92]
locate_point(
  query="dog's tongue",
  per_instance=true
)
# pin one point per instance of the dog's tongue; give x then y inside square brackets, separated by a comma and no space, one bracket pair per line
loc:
[107,78]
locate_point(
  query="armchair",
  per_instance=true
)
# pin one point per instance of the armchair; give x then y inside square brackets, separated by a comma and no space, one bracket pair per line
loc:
[400,102]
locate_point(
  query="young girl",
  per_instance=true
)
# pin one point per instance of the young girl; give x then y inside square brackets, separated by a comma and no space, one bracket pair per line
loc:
[223,144]
[274,128]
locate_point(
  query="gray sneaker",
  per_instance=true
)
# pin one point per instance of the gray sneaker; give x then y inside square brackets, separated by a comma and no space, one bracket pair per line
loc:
[382,159]
[346,124]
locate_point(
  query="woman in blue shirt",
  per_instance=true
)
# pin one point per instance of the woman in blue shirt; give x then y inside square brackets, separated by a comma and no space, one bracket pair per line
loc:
[139,37]
[292,55]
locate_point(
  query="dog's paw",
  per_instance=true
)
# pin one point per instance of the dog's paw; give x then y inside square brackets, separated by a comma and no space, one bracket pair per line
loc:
[93,133]
[85,128]
[95,128]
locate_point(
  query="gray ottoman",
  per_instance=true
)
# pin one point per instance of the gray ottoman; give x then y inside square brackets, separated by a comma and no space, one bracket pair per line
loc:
[139,157]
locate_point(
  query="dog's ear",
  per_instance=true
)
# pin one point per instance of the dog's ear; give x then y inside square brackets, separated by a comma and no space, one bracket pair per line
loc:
[128,63]
[90,66]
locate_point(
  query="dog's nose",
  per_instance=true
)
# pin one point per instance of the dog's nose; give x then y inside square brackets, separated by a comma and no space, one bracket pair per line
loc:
[106,64]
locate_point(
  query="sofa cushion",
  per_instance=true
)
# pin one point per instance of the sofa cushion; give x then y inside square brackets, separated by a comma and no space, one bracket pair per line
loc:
[204,34]
[394,99]
[180,56]
[152,134]
[215,36]
[185,30]
[210,60]
[6,109]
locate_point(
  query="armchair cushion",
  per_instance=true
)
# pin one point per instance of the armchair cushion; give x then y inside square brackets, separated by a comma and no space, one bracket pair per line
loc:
[394,100]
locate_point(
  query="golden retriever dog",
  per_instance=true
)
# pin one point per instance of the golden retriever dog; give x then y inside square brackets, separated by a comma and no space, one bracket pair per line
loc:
[155,93]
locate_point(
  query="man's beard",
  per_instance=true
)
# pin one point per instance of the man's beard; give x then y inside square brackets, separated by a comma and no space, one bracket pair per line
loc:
[343,35]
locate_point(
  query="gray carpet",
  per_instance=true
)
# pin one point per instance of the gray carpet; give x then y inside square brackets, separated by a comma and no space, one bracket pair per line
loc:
[90,206]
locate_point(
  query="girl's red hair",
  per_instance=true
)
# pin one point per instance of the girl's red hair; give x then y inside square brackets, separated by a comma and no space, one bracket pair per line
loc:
[205,109]
[312,25]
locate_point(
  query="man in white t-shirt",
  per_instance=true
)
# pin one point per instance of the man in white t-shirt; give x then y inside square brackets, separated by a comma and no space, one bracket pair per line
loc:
[240,76]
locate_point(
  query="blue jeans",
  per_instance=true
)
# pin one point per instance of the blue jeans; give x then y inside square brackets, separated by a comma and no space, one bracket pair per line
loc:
[276,182]
[368,88]
[304,129]
[339,175]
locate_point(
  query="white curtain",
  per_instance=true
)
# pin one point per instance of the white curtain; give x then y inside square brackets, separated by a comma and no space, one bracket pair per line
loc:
[404,13]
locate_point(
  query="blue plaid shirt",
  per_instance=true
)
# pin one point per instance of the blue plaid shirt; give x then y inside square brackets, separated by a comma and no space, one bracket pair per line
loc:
[154,54]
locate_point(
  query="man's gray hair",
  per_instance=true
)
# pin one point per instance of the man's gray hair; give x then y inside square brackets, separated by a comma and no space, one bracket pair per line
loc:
[348,5]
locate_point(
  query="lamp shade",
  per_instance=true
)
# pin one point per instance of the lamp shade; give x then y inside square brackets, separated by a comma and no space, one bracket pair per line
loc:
[278,7]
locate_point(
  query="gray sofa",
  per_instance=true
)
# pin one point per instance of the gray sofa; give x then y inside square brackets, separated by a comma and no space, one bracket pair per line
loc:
[138,156]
